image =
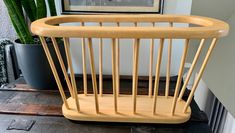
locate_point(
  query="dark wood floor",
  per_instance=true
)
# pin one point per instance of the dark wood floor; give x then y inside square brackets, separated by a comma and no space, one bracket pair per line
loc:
[15,100]
[47,124]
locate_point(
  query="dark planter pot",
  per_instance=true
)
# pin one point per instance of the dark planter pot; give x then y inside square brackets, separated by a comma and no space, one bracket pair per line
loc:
[35,66]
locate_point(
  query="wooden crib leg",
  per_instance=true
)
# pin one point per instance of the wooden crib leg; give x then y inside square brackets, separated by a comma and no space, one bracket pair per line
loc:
[70,65]
[118,64]
[151,65]
[114,73]
[213,43]
[135,74]
[62,66]
[133,46]
[191,69]
[168,69]
[53,68]
[156,83]
[180,75]
[84,65]
[93,74]
[101,64]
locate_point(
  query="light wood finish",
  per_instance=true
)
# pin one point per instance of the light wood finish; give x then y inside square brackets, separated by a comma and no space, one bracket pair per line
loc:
[118,64]
[133,69]
[72,77]
[143,115]
[53,68]
[149,108]
[151,65]
[114,74]
[208,27]
[199,76]
[180,76]
[135,73]
[168,69]
[93,74]
[156,83]
[54,42]
[191,68]
[134,42]
[84,64]
[100,64]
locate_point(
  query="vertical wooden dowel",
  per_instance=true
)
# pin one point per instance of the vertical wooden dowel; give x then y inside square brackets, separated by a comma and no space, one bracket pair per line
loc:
[157,74]
[191,69]
[180,75]
[151,65]
[64,70]
[100,64]
[114,74]
[53,68]
[93,74]
[118,64]
[133,46]
[70,65]
[84,65]
[135,74]
[134,41]
[199,76]
[168,69]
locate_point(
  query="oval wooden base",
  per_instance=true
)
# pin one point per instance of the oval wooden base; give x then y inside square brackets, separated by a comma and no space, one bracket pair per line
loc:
[144,110]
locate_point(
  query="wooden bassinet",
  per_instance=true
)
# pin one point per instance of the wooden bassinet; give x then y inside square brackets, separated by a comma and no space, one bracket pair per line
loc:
[116,107]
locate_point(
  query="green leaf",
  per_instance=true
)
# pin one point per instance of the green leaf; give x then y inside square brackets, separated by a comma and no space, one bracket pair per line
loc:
[18,22]
[18,3]
[41,9]
[52,7]
[30,9]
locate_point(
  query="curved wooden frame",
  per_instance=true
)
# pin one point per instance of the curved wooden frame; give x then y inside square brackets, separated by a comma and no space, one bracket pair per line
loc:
[211,27]
[117,107]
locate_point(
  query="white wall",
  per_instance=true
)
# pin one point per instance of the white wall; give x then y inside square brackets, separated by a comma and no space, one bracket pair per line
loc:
[229,126]
[219,75]
[6,28]
[220,72]
[220,9]
[171,7]
[204,97]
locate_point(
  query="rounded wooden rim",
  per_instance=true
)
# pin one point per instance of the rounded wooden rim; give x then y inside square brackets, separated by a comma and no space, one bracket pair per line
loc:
[209,28]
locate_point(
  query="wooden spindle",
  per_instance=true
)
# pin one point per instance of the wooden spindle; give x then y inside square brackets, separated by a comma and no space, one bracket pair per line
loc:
[114,73]
[93,74]
[135,74]
[157,74]
[53,68]
[100,64]
[64,70]
[84,65]
[199,76]
[168,69]
[180,75]
[133,46]
[134,41]
[191,69]
[70,65]
[151,65]
[118,64]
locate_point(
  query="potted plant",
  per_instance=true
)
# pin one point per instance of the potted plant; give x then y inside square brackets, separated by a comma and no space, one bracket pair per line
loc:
[29,51]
